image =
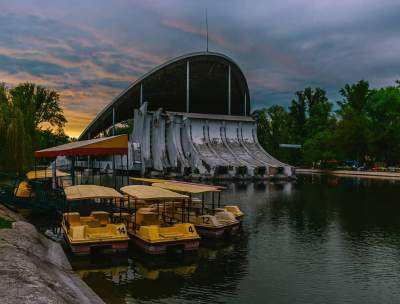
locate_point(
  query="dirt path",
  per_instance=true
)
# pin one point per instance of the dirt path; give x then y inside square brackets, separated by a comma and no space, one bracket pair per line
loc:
[365,174]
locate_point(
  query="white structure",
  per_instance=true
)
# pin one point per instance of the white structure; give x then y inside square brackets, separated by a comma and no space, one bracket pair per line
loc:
[205,144]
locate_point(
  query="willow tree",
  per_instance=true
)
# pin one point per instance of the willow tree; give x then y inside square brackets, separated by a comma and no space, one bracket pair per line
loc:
[3,124]
[40,106]
[24,110]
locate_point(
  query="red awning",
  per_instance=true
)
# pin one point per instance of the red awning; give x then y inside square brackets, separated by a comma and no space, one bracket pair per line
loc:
[98,146]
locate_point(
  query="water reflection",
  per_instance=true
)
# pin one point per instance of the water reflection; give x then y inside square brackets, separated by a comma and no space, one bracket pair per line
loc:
[322,239]
[136,277]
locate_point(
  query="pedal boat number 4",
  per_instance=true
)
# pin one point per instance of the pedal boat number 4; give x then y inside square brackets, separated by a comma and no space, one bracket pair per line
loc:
[152,230]
[209,222]
[83,233]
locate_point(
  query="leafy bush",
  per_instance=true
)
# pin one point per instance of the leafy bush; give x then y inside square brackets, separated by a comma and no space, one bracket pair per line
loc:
[5,223]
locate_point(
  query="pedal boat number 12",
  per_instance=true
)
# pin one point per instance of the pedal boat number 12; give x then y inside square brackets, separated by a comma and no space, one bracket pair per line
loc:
[152,231]
[83,233]
[209,222]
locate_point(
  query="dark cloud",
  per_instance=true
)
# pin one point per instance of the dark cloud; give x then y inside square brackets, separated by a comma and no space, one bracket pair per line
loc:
[34,67]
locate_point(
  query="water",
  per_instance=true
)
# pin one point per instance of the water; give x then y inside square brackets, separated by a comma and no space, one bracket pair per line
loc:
[319,240]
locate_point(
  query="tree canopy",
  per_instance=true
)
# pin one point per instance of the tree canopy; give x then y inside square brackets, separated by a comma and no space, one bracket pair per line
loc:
[363,126]
[31,118]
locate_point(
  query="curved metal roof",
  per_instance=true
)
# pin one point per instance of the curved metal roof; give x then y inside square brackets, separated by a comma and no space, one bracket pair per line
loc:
[210,55]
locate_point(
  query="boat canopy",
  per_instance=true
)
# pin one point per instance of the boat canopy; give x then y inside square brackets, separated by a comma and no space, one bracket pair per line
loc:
[81,192]
[149,180]
[187,187]
[43,174]
[159,180]
[151,193]
[98,146]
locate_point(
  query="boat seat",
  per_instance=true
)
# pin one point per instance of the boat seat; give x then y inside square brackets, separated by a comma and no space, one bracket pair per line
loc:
[219,209]
[73,218]
[100,232]
[101,216]
[124,215]
[93,224]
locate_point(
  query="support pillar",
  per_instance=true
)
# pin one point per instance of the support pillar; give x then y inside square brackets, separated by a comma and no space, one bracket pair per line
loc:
[245,104]
[113,121]
[73,170]
[229,90]
[187,87]
[88,157]
[141,94]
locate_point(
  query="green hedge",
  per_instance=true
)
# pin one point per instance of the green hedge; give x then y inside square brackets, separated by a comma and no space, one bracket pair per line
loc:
[5,223]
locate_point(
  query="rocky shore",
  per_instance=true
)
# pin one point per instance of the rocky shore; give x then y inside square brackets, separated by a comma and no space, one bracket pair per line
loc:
[34,269]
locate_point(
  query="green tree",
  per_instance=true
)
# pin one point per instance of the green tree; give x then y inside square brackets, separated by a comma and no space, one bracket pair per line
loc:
[311,119]
[320,147]
[310,112]
[24,110]
[319,111]
[273,129]
[297,113]
[353,129]
[48,138]
[383,110]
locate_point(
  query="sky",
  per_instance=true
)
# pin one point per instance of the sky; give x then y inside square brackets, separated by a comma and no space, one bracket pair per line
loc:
[91,50]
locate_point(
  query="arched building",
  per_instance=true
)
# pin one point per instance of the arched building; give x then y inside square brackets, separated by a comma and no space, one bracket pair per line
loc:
[191,115]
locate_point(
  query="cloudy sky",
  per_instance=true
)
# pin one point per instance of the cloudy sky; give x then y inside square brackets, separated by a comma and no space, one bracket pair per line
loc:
[89,50]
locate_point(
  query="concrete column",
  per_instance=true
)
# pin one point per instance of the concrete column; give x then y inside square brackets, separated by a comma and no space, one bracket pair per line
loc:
[113,121]
[229,90]
[88,158]
[187,87]
[141,94]
[245,104]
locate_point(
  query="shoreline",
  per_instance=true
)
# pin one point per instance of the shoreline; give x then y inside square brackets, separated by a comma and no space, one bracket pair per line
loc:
[35,269]
[352,173]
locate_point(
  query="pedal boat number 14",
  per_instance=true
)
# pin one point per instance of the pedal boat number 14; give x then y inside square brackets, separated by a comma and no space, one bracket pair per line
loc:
[83,233]
[152,231]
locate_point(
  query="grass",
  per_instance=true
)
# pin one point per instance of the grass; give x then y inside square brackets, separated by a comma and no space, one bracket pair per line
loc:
[5,223]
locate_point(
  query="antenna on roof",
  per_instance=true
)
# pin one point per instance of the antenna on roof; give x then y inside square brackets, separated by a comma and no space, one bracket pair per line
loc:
[207,29]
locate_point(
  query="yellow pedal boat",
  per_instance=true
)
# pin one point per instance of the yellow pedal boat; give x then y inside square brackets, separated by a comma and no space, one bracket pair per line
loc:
[209,222]
[195,188]
[83,233]
[149,229]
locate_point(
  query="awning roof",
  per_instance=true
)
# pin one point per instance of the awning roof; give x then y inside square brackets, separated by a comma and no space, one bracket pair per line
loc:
[98,146]
[90,192]
[149,180]
[151,193]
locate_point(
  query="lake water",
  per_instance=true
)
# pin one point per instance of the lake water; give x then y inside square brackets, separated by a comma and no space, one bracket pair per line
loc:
[320,239]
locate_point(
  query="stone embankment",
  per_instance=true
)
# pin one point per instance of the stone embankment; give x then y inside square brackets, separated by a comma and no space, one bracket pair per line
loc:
[34,269]
[351,173]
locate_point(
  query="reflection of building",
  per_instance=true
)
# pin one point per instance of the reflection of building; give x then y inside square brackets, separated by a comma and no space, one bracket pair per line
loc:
[191,115]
